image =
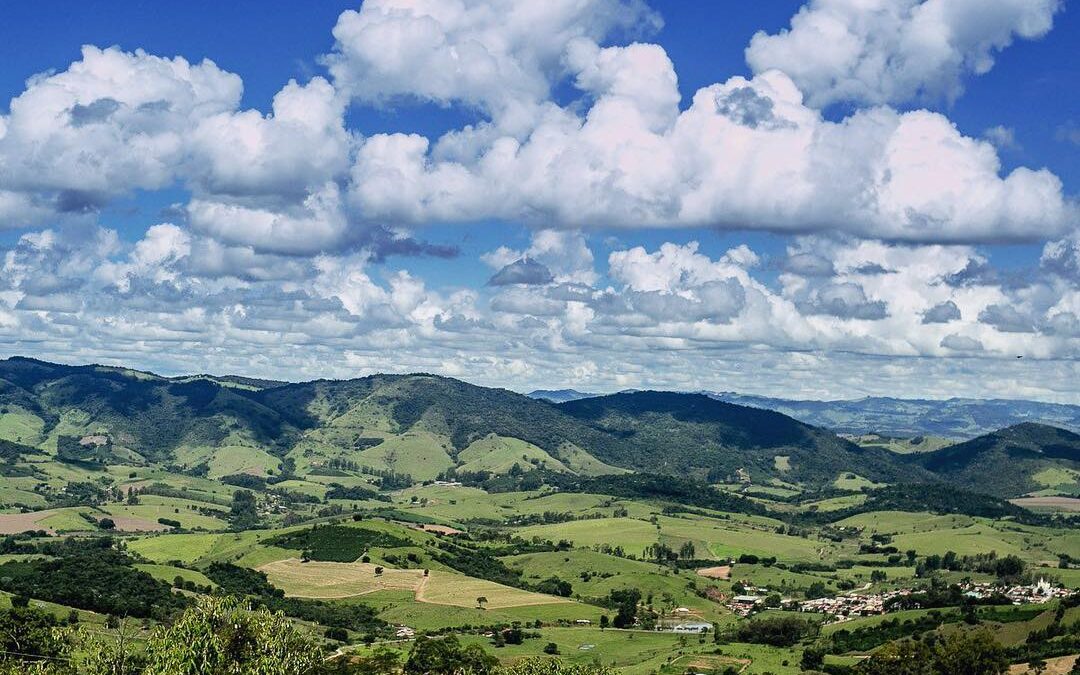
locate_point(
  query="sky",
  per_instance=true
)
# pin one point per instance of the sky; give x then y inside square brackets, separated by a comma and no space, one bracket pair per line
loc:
[821,199]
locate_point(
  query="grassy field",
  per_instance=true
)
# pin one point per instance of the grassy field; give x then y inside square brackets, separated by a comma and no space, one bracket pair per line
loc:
[421,454]
[499,454]
[633,535]
[594,575]
[730,538]
[447,588]
[168,573]
[337,580]
[854,482]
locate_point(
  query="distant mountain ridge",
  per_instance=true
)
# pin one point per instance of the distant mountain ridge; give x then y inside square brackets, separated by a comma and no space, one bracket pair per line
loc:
[955,418]
[427,426]
[420,424]
[559,395]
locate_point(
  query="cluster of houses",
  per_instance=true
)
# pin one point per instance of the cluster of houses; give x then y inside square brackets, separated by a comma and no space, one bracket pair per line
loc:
[1036,593]
[854,605]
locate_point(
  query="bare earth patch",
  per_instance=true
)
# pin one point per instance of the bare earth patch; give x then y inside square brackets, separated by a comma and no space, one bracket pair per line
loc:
[15,523]
[1059,666]
[129,524]
[438,529]
[1056,503]
[720,572]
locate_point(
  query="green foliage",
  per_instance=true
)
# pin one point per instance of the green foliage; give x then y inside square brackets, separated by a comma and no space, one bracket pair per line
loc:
[446,656]
[358,493]
[1005,462]
[101,580]
[245,480]
[337,543]
[778,632]
[970,653]
[28,635]
[221,636]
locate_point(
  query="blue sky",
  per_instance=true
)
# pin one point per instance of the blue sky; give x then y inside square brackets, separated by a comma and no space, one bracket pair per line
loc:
[676,247]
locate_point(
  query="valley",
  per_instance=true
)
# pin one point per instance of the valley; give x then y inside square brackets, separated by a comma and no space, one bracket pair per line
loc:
[648,532]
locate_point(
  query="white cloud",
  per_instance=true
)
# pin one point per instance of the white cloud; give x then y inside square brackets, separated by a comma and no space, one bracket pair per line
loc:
[895,51]
[301,145]
[498,55]
[746,154]
[112,122]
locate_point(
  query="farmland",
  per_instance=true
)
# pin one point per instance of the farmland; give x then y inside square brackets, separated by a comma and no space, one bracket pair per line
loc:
[374,525]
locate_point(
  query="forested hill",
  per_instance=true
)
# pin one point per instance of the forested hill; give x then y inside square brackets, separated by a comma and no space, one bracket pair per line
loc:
[416,424]
[674,433]
[1010,462]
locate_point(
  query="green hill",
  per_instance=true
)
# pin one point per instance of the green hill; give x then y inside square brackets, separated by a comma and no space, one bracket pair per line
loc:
[679,433]
[1011,462]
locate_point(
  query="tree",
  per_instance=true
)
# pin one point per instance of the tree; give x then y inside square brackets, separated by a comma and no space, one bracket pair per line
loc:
[243,513]
[381,661]
[481,601]
[975,652]
[625,601]
[551,648]
[220,635]
[446,656]
[687,551]
[604,621]
[900,658]
[29,634]
[813,658]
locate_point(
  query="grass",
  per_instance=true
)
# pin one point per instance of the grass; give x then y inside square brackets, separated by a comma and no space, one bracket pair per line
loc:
[168,573]
[337,580]
[233,459]
[447,588]
[499,454]
[727,539]
[21,426]
[421,454]
[976,538]
[595,575]
[633,535]
[1053,477]
[854,483]
[187,548]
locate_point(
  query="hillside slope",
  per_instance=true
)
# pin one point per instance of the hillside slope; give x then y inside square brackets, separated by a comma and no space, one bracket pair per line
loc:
[692,433]
[1011,462]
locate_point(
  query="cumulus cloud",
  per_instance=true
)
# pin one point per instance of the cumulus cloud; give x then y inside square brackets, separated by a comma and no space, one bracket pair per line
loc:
[846,300]
[942,313]
[1007,318]
[286,257]
[895,51]
[498,55]
[111,123]
[765,161]
[961,343]
[1062,257]
[524,271]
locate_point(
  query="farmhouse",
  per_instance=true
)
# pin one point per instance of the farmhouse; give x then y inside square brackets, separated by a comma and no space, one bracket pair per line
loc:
[692,627]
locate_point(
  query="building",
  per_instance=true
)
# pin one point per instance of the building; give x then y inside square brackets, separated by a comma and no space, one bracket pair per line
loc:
[695,627]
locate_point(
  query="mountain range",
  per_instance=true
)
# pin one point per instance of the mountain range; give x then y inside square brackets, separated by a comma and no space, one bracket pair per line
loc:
[426,426]
[954,418]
